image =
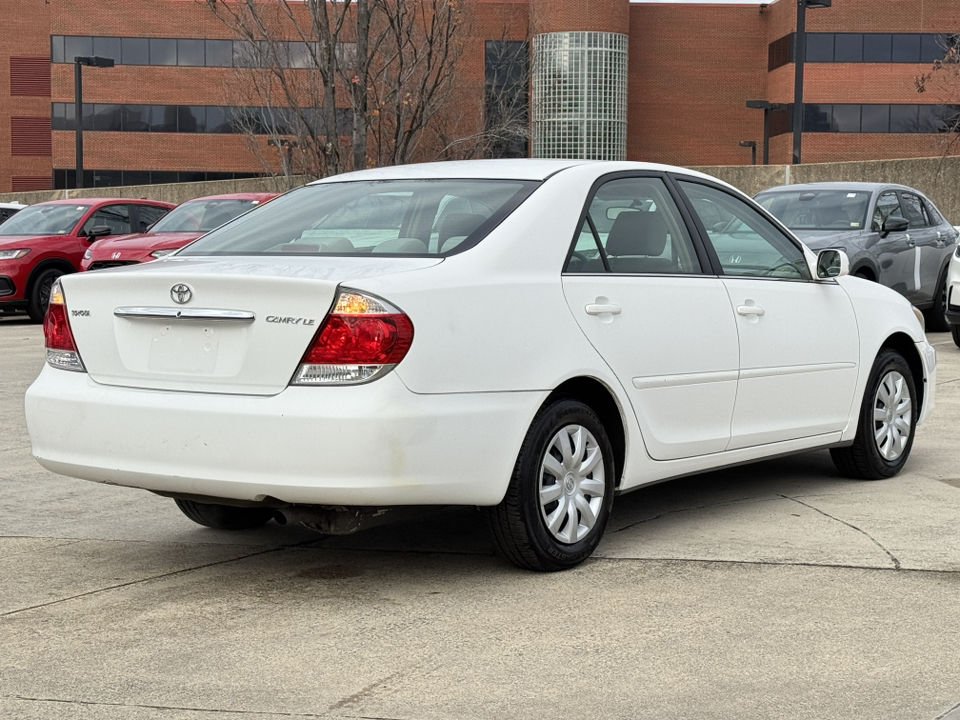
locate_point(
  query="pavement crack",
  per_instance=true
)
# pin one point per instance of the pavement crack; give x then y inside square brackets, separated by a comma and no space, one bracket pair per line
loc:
[698,507]
[151,578]
[363,692]
[181,708]
[893,558]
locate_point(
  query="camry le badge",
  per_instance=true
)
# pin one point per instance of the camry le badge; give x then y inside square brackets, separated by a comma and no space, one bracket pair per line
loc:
[181,293]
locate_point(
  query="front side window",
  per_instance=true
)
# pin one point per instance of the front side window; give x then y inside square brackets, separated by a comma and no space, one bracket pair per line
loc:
[817,209]
[887,206]
[115,217]
[746,243]
[45,220]
[633,226]
[386,217]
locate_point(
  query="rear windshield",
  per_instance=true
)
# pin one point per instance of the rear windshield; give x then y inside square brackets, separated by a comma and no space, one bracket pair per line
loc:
[45,220]
[201,215]
[386,217]
[818,209]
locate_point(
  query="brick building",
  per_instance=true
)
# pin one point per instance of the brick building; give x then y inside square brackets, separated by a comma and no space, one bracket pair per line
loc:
[662,82]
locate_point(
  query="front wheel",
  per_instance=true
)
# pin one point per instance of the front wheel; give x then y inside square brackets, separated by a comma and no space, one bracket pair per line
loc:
[886,427]
[955,331]
[224,517]
[560,493]
[39,296]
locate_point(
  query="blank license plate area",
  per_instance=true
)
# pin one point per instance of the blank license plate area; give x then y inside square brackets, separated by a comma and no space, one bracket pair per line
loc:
[163,348]
[184,348]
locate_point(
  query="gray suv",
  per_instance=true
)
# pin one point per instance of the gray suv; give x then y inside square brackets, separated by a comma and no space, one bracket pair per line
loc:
[893,235]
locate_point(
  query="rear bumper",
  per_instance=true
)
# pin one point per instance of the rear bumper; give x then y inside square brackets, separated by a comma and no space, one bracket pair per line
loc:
[368,445]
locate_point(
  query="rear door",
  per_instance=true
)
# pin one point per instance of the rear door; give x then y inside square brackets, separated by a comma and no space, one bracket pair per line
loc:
[798,339]
[928,248]
[897,258]
[636,286]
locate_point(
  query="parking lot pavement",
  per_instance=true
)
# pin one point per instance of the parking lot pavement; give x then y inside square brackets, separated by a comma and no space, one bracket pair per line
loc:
[770,590]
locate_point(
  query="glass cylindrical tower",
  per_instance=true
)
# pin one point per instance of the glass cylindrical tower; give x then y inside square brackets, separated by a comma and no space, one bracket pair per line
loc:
[579,79]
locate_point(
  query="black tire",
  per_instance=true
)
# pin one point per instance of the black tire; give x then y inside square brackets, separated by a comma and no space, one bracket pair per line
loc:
[39,296]
[864,460]
[224,517]
[936,316]
[955,331]
[518,525]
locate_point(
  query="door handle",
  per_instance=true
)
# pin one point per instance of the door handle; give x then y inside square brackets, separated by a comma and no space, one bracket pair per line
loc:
[595,309]
[910,241]
[749,310]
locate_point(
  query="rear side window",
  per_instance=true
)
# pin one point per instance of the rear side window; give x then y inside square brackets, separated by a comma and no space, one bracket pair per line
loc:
[633,226]
[388,217]
[914,210]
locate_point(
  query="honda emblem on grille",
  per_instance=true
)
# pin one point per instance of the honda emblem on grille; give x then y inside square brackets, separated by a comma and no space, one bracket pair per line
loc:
[115,256]
[181,293]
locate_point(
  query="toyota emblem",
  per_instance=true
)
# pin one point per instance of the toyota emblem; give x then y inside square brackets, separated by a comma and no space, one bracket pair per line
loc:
[181,293]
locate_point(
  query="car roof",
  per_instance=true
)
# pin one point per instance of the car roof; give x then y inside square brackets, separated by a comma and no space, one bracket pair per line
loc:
[847,186]
[237,196]
[538,169]
[101,201]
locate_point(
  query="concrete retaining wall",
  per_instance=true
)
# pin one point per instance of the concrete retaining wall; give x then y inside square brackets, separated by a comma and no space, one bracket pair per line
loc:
[938,178]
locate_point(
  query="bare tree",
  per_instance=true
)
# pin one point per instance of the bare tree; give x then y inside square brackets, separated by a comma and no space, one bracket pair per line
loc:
[333,86]
[942,80]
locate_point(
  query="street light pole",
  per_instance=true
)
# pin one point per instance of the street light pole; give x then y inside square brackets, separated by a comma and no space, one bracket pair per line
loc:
[800,56]
[767,108]
[78,63]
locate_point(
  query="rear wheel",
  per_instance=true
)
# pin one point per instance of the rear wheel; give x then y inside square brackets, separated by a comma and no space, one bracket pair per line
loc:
[224,517]
[560,493]
[39,296]
[886,427]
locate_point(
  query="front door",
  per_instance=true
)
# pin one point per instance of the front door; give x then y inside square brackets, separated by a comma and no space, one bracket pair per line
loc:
[798,338]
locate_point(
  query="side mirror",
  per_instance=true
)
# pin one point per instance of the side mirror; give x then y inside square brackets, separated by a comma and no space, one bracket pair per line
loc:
[98,231]
[894,224]
[832,264]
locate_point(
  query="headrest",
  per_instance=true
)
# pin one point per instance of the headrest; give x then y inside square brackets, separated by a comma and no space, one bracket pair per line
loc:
[458,224]
[637,233]
[404,245]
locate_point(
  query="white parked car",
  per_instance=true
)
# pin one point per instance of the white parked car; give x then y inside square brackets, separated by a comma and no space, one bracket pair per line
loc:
[529,336]
[953,294]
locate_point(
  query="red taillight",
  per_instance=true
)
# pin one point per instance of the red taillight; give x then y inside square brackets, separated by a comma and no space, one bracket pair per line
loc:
[58,337]
[56,329]
[362,338]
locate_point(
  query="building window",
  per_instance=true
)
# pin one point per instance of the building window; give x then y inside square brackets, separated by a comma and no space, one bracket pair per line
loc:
[506,112]
[195,119]
[846,118]
[192,52]
[863,47]
[66,178]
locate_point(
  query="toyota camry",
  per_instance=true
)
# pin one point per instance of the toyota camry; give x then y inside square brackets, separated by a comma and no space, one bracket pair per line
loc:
[533,337]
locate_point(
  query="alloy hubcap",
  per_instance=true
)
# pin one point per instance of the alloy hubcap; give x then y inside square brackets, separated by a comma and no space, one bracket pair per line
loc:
[892,415]
[571,484]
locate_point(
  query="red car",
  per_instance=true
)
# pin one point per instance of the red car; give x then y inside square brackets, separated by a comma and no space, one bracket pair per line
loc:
[44,241]
[183,225]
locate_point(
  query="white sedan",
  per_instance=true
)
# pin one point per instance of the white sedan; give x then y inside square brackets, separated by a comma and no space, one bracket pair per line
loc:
[532,337]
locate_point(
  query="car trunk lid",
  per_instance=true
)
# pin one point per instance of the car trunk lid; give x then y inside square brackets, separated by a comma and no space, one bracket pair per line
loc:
[236,326]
